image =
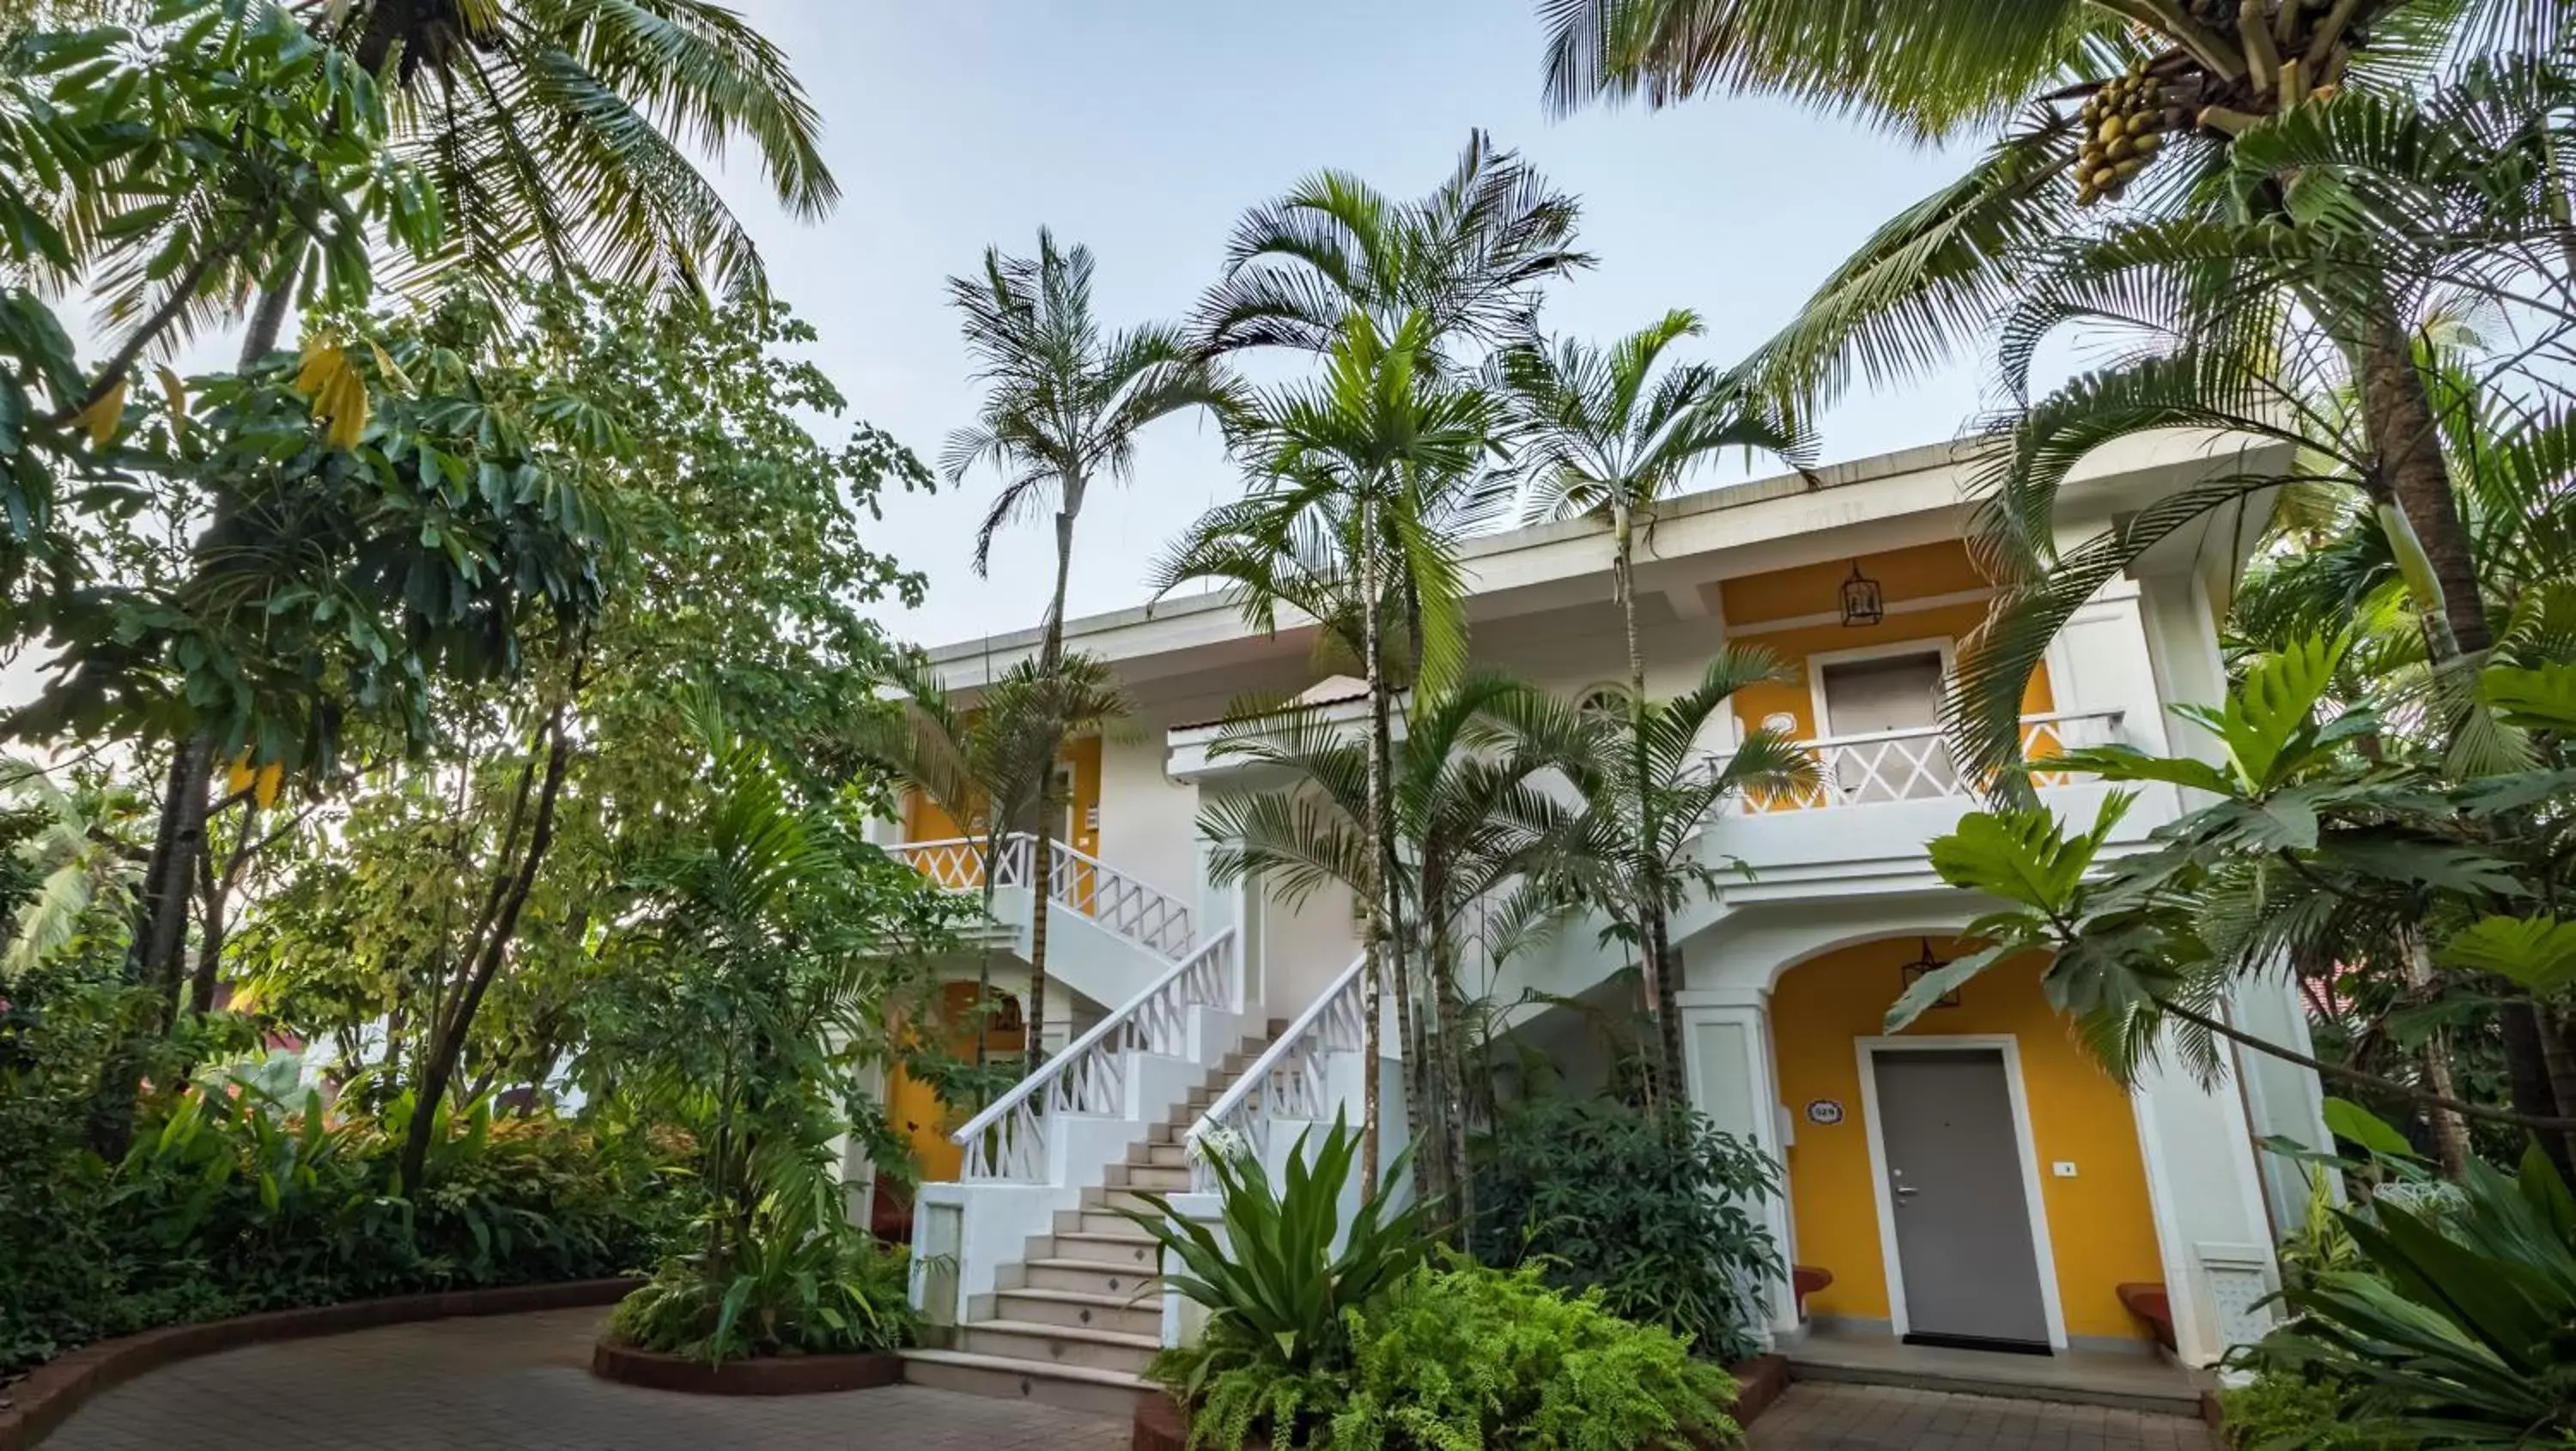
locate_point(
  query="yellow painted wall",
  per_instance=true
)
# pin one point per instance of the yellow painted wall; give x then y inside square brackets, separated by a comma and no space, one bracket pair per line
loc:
[1796,698]
[2100,1221]
[1919,571]
[914,1109]
[923,820]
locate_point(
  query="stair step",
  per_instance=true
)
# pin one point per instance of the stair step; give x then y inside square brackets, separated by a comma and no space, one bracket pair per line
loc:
[1160,1178]
[1163,1156]
[1060,1345]
[1091,1277]
[1126,1251]
[1123,1314]
[1162,1133]
[1096,1221]
[1114,1198]
[1065,1387]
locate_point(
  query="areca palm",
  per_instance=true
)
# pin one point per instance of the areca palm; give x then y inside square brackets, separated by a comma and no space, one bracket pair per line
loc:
[1470,812]
[1600,431]
[1648,785]
[1468,259]
[1360,478]
[979,767]
[1064,402]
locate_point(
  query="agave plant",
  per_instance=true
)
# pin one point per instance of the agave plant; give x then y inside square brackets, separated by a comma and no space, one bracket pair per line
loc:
[1273,1284]
[2449,1333]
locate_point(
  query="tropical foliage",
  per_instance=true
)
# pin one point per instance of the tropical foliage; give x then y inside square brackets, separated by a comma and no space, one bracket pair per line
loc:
[1656,1214]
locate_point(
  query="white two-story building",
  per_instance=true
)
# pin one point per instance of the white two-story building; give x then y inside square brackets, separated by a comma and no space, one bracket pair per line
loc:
[1976,1180]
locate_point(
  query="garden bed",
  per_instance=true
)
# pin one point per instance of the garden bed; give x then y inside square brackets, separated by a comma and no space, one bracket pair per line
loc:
[50,1393]
[772,1375]
[1760,1382]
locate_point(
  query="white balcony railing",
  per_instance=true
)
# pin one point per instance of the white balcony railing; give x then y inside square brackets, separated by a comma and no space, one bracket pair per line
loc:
[1916,765]
[1142,914]
[1007,1141]
[1290,1080]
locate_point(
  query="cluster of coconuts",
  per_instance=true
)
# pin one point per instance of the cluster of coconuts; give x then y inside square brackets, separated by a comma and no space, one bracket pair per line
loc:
[2124,126]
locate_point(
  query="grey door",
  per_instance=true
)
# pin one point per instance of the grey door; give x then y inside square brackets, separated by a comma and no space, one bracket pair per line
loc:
[1954,1179]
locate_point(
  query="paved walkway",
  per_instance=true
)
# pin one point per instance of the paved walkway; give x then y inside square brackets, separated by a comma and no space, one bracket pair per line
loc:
[522,1383]
[1817,1416]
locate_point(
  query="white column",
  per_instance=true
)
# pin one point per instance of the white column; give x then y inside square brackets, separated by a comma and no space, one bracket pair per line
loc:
[1726,1050]
[2282,1099]
[2211,1229]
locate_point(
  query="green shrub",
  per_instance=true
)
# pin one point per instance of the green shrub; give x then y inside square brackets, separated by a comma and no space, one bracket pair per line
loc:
[804,1282]
[2448,1327]
[1463,1357]
[2284,1410]
[1654,1211]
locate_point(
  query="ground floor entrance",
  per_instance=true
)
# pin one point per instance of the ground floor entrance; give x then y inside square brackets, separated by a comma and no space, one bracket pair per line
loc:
[1976,1181]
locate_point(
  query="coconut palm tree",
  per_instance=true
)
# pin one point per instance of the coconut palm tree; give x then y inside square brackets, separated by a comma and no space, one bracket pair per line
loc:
[1469,807]
[1648,784]
[1064,402]
[1468,259]
[2140,105]
[1607,431]
[1361,478]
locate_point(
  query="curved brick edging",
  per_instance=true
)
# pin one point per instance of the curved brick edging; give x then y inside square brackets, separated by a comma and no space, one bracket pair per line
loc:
[1759,1382]
[52,1391]
[777,1375]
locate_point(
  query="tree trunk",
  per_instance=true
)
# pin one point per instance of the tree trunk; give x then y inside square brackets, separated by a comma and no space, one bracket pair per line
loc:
[447,1043]
[1653,951]
[2406,448]
[2450,1131]
[1373,935]
[2560,1055]
[1041,899]
[1042,857]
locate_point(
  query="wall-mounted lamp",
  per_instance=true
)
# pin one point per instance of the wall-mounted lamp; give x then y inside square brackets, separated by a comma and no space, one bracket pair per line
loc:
[1862,602]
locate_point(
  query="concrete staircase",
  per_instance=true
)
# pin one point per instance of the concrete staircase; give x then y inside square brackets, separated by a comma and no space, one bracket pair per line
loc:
[1073,1323]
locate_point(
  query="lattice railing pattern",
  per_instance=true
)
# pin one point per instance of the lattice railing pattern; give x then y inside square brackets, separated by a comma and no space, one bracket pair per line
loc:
[1288,1081]
[1145,915]
[1141,914]
[1916,765]
[1007,1141]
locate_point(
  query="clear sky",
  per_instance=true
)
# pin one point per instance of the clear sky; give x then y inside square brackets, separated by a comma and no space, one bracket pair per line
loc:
[1143,128]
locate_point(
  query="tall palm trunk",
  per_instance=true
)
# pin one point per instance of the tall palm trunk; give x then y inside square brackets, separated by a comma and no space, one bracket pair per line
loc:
[1381,847]
[1042,852]
[2413,479]
[1654,953]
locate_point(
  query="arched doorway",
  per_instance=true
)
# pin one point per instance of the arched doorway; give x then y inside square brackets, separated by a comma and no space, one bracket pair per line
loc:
[1921,1164]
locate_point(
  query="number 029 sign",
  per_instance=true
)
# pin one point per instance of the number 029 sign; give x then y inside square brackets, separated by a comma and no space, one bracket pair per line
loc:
[1825,1111]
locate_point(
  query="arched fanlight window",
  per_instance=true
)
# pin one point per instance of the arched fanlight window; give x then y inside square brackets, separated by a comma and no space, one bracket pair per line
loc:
[1603,702]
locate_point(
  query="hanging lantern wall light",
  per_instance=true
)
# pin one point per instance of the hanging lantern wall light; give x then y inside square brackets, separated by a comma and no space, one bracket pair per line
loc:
[1862,602]
[1928,962]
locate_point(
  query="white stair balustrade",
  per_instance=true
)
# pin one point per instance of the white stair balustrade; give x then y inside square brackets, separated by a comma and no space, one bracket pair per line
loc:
[1034,1151]
[1006,1142]
[1292,1081]
[1143,914]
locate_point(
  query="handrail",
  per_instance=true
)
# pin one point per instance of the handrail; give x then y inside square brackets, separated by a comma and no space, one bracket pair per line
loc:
[1915,764]
[1868,738]
[1292,1065]
[1007,1140]
[1136,910]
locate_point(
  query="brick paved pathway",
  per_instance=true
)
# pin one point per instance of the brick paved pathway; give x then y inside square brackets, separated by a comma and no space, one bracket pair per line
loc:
[522,1383]
[1816,1416]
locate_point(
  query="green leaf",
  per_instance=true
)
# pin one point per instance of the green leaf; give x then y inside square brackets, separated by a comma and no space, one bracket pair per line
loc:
[2538,953]
[2348,1120]
[2539,698]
